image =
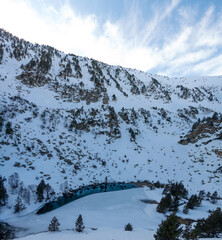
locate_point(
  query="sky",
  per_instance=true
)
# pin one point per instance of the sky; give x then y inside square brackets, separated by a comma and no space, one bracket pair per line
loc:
[167,37]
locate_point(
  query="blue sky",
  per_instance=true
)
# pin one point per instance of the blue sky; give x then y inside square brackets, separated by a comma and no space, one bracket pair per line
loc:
[168,37]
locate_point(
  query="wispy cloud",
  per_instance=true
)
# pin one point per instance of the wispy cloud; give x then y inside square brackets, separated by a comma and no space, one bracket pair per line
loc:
[173,41]
[160,14]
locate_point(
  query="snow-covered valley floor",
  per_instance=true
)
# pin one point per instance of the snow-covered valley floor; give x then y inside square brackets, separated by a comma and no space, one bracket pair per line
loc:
[104,216]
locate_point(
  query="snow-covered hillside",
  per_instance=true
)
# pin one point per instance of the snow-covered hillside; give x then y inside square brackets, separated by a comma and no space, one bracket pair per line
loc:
[74,121]
[105,215]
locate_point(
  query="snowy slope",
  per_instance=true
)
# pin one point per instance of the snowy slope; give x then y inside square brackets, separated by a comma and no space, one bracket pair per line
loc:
[77,121]
[105,215]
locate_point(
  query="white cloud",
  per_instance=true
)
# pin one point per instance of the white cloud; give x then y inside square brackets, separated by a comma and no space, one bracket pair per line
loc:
[179,45]
[211,66]
[123,42]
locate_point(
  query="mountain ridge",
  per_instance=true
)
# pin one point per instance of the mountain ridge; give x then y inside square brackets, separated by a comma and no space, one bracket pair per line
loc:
[74,121]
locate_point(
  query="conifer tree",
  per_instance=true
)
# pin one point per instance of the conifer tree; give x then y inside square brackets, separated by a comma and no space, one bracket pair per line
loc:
[48,190]
[3,192]
[208,195]
[174,205]
[202,195]
[26,195]
[193,201]
[214,197]
[188,233]
[128,227]
[164,204]
[19,206]
[54,225]
[106,183]
[210,227]
[169,229]
[176,189]
[40,190]
[13,182]
[79,224]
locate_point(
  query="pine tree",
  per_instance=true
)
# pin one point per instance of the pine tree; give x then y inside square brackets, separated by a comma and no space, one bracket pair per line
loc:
[169,229]
[128,227]
[13,182]
[188,233]
[208,196]
[40,190]
[193,201]
[174,205]
[1,118]
[106,183]
[157,184]
[79,224]
[54,225]
[114,97]
[214,197]
[215,116]
[48,190]
[3,192]
[176,190]
[26,195]
[19,206]
[210,227]
[164,204]
[201,195]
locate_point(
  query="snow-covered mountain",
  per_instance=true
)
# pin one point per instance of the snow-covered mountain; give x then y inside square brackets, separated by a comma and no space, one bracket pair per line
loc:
[73,120]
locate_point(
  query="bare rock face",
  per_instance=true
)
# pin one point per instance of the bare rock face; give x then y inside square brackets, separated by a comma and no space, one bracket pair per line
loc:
[203,129]
[35,72]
